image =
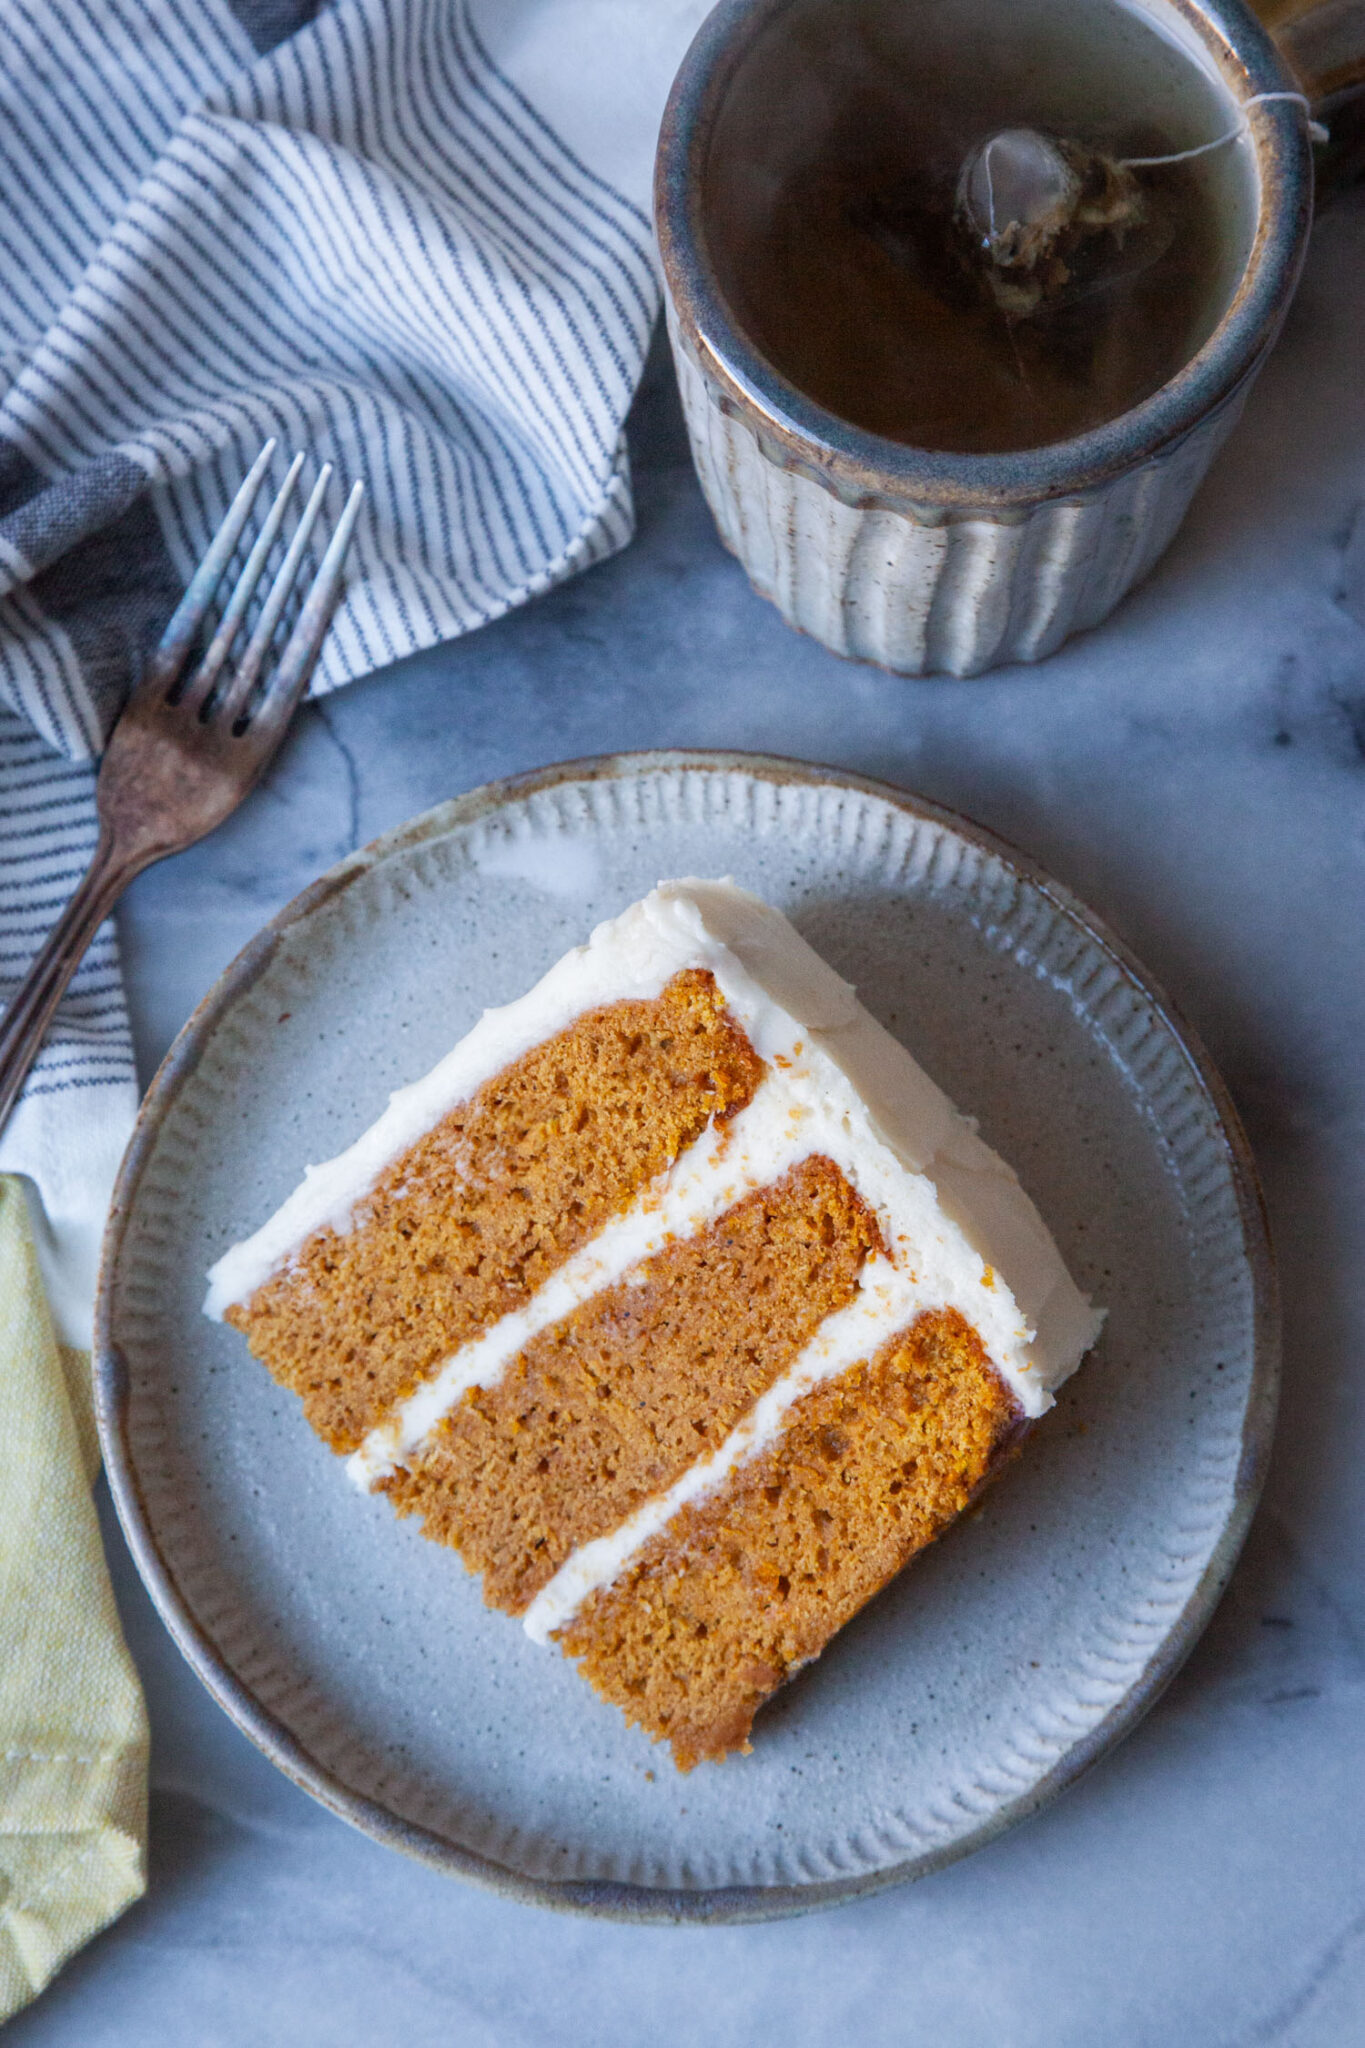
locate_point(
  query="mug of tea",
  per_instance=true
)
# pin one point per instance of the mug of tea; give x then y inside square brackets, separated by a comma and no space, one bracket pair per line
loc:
[964,295]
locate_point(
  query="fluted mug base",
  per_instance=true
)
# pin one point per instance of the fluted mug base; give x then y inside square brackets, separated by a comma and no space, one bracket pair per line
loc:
[920,591]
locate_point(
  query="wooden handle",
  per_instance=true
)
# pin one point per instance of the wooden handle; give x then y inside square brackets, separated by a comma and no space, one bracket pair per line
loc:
[1322,43]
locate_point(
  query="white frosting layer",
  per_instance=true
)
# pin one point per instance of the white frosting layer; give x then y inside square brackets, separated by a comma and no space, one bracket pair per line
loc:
[959,1229]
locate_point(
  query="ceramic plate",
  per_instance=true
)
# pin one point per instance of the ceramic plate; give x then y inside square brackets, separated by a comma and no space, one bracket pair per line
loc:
[361,1658]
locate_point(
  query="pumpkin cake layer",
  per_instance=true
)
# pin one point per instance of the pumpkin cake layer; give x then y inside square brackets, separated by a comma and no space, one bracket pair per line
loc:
[470,1221]
[752,1582]
[678,1300]
[613,1403]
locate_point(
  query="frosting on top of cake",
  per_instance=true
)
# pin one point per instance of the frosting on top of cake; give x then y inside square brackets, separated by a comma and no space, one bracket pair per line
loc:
[960,1229]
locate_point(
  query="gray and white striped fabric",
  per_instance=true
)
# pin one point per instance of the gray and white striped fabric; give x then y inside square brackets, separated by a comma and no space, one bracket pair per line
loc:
[406,236]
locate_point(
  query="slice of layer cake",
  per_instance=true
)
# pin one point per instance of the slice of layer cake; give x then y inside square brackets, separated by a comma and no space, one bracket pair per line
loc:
[678,1300]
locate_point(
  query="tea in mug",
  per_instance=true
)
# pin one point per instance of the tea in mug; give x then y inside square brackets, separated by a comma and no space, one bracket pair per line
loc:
[857,200]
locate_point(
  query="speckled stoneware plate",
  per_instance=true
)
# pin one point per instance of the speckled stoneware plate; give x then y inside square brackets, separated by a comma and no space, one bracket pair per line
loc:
[990,1674]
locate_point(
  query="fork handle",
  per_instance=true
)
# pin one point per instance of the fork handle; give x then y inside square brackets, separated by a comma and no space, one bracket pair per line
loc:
[24,1024]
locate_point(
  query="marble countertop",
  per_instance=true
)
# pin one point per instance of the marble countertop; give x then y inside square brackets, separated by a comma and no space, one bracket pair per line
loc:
[1196,770]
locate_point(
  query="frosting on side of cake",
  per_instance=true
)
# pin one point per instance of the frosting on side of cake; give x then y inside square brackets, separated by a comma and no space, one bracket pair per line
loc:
[780,992]
[806,1106]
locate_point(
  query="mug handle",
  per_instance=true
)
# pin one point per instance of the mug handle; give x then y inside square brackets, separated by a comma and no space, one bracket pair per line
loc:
[1322,43]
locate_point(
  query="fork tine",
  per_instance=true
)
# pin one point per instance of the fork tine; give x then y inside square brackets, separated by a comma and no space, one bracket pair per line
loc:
[172,652]
[238,692]
[216,653]
[290,679]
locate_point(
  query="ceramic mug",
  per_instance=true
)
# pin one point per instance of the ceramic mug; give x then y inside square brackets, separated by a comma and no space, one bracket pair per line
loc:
[923,561]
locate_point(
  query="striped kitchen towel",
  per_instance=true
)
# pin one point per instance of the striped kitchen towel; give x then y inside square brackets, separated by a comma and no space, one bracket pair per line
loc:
[406,236]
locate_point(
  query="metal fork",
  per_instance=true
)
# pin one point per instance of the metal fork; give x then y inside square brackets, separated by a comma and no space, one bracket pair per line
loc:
[187,749]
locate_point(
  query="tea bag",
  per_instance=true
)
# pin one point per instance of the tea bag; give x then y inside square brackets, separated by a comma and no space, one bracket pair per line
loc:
[1040,216]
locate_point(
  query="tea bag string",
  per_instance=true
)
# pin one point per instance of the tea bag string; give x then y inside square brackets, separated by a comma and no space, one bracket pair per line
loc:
[1316,131]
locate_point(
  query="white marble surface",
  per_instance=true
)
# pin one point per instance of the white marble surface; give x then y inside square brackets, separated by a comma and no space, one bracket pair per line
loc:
[1196,769]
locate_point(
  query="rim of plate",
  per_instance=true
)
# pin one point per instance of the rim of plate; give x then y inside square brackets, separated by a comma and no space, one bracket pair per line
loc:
[608,1899]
